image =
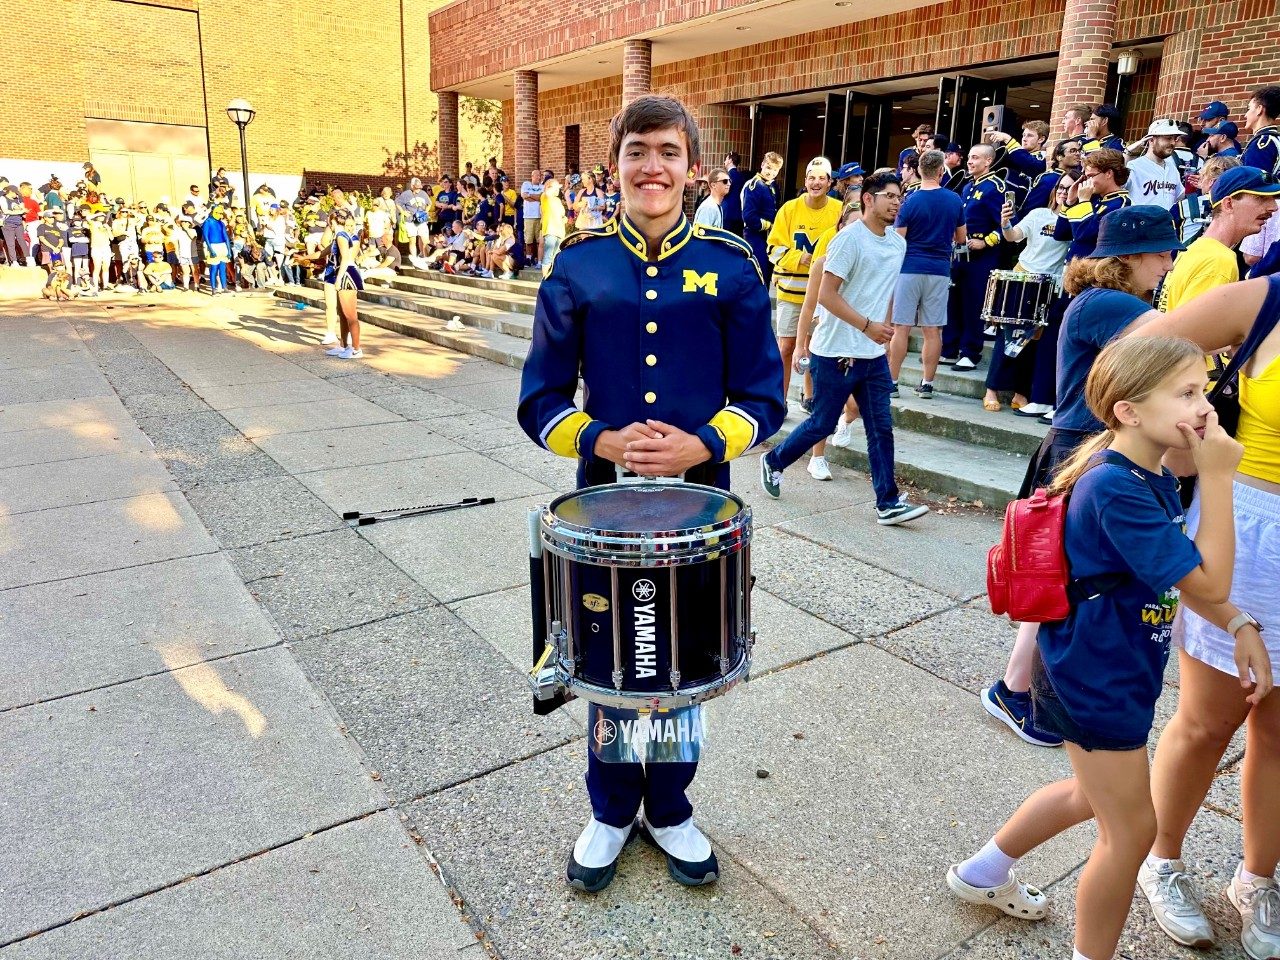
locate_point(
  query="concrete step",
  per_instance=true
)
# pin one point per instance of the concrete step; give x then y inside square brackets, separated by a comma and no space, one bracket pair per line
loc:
[943,445]
[432,285]
[473,315]
[528,288]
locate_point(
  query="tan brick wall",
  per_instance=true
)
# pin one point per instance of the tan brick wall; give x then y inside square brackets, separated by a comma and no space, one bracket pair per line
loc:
[324,76]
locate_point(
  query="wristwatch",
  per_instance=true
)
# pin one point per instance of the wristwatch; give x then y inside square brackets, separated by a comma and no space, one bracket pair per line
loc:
[1239,620]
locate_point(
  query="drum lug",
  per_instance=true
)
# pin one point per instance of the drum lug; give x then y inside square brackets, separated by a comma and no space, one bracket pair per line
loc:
[675,679]
[617,679]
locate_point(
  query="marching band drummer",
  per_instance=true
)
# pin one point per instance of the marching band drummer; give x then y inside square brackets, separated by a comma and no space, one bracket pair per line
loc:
[669,324]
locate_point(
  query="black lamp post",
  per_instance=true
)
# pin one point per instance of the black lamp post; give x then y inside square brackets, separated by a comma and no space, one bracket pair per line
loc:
[241,113]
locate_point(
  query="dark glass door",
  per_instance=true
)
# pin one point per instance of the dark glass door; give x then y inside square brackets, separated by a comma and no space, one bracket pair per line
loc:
[866,129]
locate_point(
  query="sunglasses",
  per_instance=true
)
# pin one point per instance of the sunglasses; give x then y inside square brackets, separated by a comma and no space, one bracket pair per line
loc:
[718,180]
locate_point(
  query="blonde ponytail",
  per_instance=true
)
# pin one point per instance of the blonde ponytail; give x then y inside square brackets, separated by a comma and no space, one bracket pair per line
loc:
[1074,467]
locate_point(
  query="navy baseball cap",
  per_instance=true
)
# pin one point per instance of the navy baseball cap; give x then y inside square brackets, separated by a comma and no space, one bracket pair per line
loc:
[1239,180]
[1141,229]
[955,148]
[1216,110]
[1224,127]
[853,169]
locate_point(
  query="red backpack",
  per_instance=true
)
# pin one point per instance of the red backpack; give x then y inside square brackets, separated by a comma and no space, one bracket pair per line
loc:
[1027,574]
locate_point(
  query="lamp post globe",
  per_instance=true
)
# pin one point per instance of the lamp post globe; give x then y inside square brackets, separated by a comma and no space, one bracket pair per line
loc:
[240,112]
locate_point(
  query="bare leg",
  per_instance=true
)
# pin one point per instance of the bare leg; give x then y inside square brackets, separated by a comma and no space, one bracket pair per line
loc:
[348,318]
[786,347]
[1261,788]
[930,351]
[898,349]
[1046,813]
[331,309]
[1118,787]
[1211,707]
[1017,674]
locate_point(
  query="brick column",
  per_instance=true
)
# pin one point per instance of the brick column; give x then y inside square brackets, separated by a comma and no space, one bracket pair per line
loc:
[1088,30]
[725,127]
[1175,86]
[526,82]
[637,69]
[448,132]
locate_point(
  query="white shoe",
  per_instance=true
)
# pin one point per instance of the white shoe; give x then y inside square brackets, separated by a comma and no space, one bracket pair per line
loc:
[1013,897]
[818,468]
[350,354]
[844,435]
[1172,896]
[964,363]
[1033,410]
[1259,904]
[335,351]
[329,338]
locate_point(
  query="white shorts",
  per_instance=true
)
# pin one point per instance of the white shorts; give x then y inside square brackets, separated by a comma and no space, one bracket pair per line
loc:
[412,229]
[786,319]
[1255,584]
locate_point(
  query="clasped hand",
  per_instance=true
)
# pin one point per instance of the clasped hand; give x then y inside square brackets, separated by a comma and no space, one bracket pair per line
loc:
[652,449]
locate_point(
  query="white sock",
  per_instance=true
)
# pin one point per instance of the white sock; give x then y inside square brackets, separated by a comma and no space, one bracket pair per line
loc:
[989,867]
[1077,955]
[1157,863]
[1247,877]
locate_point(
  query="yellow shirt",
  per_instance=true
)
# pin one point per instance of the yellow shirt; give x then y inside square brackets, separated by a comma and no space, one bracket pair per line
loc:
[1259,428]
[554,217]
[795,230]
[1206,264]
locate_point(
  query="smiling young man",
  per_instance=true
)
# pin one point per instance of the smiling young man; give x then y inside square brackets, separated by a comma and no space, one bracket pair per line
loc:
[668,324]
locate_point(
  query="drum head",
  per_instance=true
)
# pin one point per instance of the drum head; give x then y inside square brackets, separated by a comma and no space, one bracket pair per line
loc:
[644,508]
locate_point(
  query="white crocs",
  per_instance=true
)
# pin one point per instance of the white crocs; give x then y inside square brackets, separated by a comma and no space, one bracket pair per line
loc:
[1013,897]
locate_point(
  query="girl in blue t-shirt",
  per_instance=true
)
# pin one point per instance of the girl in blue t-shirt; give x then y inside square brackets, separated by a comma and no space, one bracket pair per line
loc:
[1099,672]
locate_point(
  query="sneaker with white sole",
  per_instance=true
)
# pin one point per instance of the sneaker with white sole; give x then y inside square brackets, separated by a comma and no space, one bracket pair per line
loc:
[770,479]
[1032,410]
[1013,897]
[843,436]
[350,354]
[1259,904]
[901,512]
[964,363]
[1173,901]
[329,338]
[818,468]
[1013,709]
[335,351]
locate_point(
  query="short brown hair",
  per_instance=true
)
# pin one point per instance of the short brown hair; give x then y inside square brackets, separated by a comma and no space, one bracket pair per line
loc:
[772,157]
[654,111]
[1039,126]
[1105,160]
[923,128]
[1083,111]
[931,162]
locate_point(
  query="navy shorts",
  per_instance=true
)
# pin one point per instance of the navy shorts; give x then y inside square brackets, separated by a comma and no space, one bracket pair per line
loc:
[1049,714]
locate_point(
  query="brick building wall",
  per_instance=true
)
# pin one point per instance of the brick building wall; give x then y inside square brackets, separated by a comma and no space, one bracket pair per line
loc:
[325,78]
[1215,50]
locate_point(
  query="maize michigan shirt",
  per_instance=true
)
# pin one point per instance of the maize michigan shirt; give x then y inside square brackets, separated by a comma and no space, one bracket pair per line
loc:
[868,267]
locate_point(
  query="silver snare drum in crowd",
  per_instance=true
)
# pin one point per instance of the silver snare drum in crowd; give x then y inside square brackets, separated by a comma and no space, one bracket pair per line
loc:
[646,594]
[1019,302]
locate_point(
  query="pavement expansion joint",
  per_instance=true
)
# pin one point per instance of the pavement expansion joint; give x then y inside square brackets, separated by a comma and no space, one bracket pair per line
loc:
[127,566]
[141,676]
[481,774]
[142,894]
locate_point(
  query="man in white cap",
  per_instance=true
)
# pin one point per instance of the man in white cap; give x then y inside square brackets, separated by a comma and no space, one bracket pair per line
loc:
[1154,177]
[795,230]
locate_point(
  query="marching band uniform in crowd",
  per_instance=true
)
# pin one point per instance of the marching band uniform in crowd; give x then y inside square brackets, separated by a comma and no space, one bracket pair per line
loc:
[1079,222]
[983,199]
[1110,142]
[1263,151]
[685,339]
[1024,168]
[759,207]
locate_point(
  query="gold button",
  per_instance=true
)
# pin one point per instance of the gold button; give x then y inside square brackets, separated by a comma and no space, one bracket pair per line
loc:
[651,360]
[651,294]
[650,397]
[651,271]
[651,327]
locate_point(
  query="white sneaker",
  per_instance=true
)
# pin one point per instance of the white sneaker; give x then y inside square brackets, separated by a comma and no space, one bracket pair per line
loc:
[844,435]
[1013,897]
[1174,905]
[335,351]
[818,468]
[964,363]
[329,338]
[350,354]
[1259,904]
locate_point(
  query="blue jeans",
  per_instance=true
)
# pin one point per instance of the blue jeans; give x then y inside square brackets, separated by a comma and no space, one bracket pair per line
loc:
[869,383]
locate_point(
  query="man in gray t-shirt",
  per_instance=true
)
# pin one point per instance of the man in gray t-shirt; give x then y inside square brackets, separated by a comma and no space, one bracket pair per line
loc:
[531,191]
[414,206]
[846,352]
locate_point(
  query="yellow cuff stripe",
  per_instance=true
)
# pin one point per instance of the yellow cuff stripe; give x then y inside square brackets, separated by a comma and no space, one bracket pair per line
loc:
[737,432]
[563,439]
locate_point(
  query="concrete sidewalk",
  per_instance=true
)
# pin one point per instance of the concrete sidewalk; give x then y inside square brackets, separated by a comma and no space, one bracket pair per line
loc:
[232,726]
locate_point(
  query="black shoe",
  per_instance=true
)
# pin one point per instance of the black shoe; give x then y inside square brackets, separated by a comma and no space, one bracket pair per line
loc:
[806,404]
[594,879]
[925,391]
[684,871]
[893,389]
[949,360]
